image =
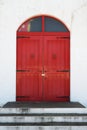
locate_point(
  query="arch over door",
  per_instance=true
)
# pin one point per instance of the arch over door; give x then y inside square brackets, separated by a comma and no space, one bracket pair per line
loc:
[43,60]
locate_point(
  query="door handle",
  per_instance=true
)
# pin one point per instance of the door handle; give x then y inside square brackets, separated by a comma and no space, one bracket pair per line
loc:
[43,75]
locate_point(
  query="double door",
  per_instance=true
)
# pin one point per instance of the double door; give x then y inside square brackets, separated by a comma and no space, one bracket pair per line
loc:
[43,65]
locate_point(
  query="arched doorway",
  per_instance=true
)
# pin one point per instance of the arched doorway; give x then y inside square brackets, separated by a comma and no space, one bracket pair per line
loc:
[43,60]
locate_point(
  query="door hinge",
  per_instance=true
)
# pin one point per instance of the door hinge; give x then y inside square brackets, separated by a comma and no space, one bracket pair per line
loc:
[23,37]
[22,70]
[63,71]
[22,97]
[63,37]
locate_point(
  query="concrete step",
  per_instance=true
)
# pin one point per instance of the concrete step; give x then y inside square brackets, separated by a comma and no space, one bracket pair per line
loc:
[43,128]
[43,119]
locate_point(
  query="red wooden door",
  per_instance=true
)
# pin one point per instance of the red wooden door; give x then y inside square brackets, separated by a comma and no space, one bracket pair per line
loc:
[29,68]
[56,68]
[43,65]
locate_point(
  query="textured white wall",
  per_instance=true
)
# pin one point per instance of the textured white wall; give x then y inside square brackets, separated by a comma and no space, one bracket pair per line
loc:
[79,56]
[72,13]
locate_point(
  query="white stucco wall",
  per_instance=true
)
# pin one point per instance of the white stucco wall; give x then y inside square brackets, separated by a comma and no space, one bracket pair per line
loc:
[72,12]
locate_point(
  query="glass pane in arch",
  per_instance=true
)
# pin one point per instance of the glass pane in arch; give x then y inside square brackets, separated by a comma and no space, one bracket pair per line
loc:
[53,25]
[33,25]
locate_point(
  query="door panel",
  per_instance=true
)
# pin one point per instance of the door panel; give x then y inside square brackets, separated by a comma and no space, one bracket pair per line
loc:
[56,68]
[29,69]
[29,86]
[56,53]
[56,86]
[29,53]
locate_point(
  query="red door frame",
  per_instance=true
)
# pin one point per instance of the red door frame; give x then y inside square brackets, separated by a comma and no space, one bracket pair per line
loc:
[28,34]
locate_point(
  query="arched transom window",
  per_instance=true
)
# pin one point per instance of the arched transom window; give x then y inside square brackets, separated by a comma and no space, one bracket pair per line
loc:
[43,24]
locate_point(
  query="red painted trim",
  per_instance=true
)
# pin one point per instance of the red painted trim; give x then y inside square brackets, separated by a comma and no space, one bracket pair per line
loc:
[67,34]
[42,23]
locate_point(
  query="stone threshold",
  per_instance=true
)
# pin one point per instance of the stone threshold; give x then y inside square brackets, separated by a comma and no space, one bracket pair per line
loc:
[43,105]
